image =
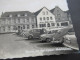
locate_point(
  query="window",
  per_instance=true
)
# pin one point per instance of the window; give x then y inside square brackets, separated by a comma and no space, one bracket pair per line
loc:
[32,26]
[57,24]
[14,21]
[27,19]
[48,25]
[53,24]
[22,15]
[47,18]
[58,18]
[8,27]
[23,26]
[40,18]
[43,13]
[18,20]
[43,18]
[15,15]
[51,18]
[58,15]
[64,24]
[7,16]
[28,27]
[46,12]
[42,25]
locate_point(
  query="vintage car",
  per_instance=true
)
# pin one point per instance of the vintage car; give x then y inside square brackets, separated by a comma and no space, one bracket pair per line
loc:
[34,33]
[55,37]
[48,36]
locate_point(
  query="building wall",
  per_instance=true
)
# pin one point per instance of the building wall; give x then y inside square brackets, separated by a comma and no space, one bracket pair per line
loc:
[45,18]
[60,16]
[12,24]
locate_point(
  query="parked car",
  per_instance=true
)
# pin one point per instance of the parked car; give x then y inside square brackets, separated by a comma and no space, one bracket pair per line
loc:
[48,36]
[35,33]
[56,36]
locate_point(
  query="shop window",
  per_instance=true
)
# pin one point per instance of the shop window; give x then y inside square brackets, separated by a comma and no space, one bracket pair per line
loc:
[64,24]
[48,25]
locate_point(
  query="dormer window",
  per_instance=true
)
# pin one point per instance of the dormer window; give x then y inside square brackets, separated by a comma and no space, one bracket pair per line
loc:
[10,15]
[26,14]
[18,15]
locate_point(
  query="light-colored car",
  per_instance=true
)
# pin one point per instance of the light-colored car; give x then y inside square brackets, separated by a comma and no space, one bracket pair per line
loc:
[56,36]
[48,36]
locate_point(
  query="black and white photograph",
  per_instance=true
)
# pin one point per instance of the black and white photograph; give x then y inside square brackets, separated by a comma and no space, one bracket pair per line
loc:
[31,28]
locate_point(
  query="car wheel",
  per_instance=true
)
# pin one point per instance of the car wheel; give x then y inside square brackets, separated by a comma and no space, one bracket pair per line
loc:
[48,40]
[30,37]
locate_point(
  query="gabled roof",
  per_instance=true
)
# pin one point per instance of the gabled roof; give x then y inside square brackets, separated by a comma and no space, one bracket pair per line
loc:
[52,10]
[36,13]
[13,13]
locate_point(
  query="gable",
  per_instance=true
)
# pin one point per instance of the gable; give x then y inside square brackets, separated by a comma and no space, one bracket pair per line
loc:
[57,10]
[45,12]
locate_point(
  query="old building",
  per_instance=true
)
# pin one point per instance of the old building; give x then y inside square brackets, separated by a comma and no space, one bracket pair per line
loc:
[45,18]
[14,21]
[62,17]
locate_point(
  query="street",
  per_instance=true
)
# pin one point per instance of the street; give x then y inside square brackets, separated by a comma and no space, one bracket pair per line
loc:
[13,46]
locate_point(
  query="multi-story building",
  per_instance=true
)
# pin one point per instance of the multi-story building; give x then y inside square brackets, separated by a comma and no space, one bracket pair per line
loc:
[62,18]
[45,18]
[14,21]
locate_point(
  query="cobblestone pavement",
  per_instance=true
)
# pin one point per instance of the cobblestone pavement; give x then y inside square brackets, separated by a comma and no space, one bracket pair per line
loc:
[13,46]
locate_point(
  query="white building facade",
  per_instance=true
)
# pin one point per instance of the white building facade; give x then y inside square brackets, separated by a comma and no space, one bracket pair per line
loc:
[45,19]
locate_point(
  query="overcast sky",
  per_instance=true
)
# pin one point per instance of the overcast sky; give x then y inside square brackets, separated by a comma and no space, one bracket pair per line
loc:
[30,5]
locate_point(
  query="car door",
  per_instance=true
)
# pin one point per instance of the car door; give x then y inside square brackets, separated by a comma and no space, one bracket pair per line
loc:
[36,33]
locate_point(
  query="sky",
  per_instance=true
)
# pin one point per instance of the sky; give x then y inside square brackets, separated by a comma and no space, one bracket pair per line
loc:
[30,5]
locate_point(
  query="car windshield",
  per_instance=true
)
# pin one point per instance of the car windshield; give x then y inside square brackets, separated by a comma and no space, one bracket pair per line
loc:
[53,31]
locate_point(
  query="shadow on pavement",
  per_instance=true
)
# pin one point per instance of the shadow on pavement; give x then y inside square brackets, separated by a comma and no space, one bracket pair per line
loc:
[48,45]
